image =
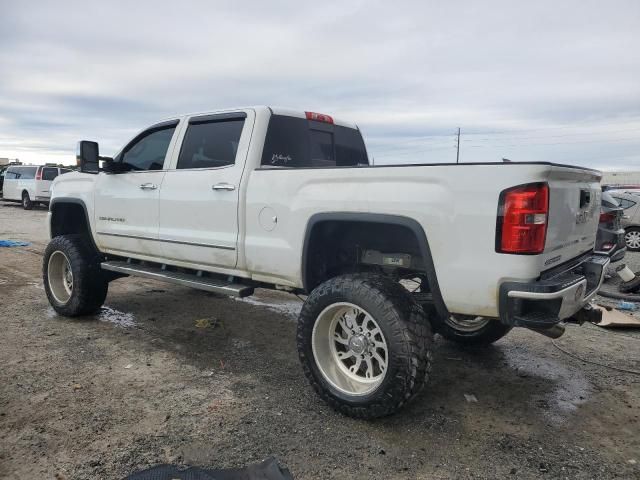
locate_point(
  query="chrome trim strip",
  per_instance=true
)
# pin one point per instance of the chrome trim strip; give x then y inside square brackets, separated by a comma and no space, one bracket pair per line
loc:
[137,237]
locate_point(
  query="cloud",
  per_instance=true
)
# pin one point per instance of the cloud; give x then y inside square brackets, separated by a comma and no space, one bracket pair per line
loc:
[408,73]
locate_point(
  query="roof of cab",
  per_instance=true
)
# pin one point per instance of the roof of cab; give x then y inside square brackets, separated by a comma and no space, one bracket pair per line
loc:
[289,112]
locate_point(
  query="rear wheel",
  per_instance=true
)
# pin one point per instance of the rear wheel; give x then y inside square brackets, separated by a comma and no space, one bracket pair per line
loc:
[364,344]
[471,330]
[632,239]
[73,280]
[27,204]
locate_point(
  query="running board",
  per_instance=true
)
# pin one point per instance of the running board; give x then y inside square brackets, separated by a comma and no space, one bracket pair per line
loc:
[186,279]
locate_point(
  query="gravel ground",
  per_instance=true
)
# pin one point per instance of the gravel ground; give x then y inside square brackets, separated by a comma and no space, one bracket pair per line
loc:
[167,374]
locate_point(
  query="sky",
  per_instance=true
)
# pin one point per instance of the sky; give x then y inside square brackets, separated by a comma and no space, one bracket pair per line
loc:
[528,81]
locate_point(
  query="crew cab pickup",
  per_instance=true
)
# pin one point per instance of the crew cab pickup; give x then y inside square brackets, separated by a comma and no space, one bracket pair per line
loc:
[232,200]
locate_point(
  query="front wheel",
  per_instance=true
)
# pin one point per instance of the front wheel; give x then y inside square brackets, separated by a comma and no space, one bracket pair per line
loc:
[632,239]
[73,280]
[471,330]
[364,344]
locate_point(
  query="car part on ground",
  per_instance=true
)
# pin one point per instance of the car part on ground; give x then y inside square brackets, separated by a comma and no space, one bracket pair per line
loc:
[268,469]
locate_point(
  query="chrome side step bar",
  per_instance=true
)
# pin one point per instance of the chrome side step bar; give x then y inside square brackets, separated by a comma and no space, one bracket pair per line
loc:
[188,280]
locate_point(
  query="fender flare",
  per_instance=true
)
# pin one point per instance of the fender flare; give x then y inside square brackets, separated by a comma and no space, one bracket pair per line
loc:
[74,201]
[381,218]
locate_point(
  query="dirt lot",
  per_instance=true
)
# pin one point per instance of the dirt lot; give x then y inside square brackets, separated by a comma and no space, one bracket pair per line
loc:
[167,374]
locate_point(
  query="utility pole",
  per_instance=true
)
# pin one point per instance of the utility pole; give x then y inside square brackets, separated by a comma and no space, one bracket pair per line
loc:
[458,151]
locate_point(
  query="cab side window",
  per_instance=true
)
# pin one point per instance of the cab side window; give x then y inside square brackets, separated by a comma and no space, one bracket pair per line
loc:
[210,144]
[148,150]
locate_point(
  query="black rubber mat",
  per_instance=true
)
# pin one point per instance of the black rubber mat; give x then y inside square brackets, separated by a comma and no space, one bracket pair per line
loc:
[269,469]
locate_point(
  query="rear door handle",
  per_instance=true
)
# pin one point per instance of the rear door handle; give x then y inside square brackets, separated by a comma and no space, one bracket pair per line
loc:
[148,186]
[223,186]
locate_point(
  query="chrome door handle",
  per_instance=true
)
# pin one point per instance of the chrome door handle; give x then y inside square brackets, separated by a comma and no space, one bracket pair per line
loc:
[223,186]
[148,186]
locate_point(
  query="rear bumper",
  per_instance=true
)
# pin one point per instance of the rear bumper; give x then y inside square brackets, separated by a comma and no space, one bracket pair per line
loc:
[545,302]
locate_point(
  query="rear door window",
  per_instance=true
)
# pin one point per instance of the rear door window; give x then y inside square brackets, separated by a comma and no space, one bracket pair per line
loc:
[210,144]
[49,173]
[298,142]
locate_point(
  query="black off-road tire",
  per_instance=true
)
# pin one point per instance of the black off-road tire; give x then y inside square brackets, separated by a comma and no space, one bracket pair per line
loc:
[406,330]
[493,331]
[90,284]
[27,204]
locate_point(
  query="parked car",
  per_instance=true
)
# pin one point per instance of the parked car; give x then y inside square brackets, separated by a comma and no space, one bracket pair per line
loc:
[610,240]
[232,200]
[630,191]
[630,218]
[30,184]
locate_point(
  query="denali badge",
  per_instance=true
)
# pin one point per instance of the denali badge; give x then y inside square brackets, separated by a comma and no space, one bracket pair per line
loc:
[111,219]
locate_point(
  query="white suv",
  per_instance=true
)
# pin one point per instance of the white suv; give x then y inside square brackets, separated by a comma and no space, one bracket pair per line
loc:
[30,184]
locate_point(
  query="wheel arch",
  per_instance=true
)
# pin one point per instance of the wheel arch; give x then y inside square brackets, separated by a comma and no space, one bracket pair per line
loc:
[70,216]
[410,225]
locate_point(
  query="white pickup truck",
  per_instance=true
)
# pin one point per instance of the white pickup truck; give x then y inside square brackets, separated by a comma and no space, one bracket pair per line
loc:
[232,200]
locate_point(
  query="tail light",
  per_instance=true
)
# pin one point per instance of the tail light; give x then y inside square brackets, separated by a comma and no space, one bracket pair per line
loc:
[318,117]
[39,173]
[523,212]
[607,217]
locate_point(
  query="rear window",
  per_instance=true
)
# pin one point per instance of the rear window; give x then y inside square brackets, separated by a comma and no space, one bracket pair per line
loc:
[624,203]
[21,173]
[298,142]
[49,173]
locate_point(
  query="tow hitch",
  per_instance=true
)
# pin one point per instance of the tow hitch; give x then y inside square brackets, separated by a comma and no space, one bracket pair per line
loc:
[585,314]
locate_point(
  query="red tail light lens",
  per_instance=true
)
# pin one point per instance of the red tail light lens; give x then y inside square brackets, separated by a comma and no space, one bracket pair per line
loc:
[607,217]
[522,219]
[39,174]
[318,117]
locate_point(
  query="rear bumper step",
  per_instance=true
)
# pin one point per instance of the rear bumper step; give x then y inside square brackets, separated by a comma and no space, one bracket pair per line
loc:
[543,303]
[179,278]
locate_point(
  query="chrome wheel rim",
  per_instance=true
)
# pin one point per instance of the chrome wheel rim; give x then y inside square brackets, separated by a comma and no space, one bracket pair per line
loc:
[24,200]
[467,324]
[349,349]
[632,239]
[60,277]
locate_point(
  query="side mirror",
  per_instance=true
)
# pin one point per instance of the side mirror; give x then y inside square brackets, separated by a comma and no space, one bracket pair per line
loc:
[87,157]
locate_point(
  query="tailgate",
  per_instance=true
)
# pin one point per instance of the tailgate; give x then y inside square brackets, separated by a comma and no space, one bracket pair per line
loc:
[574,213]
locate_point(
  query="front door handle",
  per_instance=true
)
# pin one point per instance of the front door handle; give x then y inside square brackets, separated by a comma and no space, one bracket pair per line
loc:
[223,186]
[148,186]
